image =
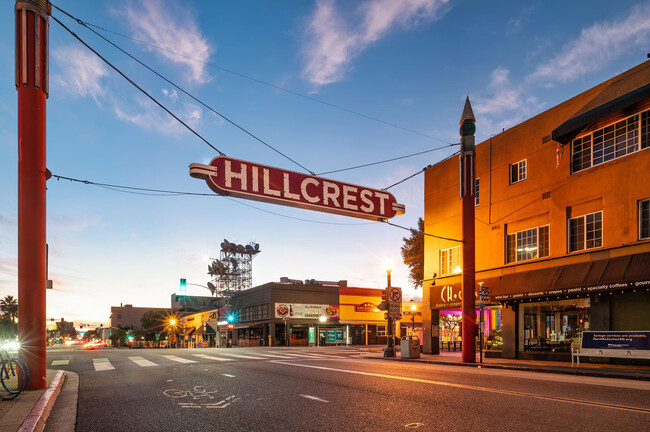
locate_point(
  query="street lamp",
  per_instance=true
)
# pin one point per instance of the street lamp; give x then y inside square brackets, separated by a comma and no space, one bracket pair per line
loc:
[390,342]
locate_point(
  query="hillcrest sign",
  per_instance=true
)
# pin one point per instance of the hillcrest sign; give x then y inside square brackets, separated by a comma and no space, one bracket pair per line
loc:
[241,179]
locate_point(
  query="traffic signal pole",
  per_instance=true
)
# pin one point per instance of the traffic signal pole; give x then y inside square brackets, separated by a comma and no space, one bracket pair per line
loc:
[32,35]
[467,195]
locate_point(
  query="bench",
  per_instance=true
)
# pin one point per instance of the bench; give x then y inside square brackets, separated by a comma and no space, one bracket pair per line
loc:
[611,344]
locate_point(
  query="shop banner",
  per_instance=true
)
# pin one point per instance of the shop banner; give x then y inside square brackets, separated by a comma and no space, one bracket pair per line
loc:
[304,311]
[622,340]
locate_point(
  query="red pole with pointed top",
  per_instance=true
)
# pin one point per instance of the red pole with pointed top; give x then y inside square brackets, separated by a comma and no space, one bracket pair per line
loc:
[32,34]
[467,192]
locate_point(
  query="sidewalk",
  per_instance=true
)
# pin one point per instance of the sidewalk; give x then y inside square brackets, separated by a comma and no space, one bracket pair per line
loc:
[29,411]
[585,369]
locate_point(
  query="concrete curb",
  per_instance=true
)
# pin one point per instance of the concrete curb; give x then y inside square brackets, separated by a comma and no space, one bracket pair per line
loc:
[35,421]
[630,375]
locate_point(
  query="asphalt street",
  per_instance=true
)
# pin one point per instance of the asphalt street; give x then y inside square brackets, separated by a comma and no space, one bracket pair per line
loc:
[334,389]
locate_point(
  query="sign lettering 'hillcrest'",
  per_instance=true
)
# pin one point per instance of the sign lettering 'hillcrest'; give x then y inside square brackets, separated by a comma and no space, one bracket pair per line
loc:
[237,178]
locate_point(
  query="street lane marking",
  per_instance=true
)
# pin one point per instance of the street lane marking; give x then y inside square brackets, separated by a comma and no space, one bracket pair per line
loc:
[228,375]
[470,387]
[102,364]
[209,357]
[241,356]
[142,362]
[314,398]
[60,362]
[179,359]
[273,355]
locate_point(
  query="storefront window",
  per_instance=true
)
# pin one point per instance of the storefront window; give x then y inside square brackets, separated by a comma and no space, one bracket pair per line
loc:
[550,326]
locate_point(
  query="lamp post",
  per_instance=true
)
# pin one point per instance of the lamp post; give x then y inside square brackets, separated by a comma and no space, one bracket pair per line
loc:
[322,320]
[390,342]
[172,323]
[413,308]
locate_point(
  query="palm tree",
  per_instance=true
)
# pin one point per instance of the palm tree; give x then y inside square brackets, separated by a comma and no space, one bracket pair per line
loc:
[9,308]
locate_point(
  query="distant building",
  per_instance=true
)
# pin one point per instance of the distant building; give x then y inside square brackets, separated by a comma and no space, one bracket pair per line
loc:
[184,303]
[562,226]
[129,316]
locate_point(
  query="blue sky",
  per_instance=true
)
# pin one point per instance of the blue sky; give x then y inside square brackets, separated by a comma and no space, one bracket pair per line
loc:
[409,64]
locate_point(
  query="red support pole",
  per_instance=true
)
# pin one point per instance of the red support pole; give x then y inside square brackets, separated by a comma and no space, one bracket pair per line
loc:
[32,22]
[467,194]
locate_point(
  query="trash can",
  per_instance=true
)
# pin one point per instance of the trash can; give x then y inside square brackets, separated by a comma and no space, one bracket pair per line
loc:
[410,347]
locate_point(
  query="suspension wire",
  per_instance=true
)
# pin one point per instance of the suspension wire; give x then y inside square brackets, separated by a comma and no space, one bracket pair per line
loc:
[408,178]
[423,233]
[165,193]
[84,24]
[387,160]
[138,87]
[266,83]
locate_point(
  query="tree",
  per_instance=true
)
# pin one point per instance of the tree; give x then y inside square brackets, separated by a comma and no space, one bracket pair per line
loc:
[9,308]
[413,254]
[8,317]
[153,322]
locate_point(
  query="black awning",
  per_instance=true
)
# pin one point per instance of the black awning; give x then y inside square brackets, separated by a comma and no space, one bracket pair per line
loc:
[189,332]
[209,330]
[613,274]
[568,130]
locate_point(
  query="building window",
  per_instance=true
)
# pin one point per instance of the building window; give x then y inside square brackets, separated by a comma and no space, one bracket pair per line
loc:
[644,219]
[518,171]
[451,260]
[476,191]
[611,142]
[586,232]
[528,244]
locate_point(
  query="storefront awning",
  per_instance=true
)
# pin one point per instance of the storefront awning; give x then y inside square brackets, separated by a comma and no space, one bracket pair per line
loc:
[209,330]
[189,332]
[568,130]
[630,271]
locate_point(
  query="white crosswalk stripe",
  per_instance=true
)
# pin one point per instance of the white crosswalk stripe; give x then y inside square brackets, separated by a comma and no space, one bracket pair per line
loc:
[142,362]
[102,364]
[273,355]
[179,359]
[241,356]
[209,357]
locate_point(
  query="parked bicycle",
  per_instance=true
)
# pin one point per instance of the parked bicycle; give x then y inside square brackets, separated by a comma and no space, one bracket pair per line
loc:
[14,375]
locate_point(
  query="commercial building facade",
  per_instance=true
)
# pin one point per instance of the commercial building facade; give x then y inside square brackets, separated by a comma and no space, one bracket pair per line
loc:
[297,313]
[127,316]
[562,226]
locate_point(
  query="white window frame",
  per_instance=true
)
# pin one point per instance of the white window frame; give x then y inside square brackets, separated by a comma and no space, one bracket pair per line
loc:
[640,219]
[453,252]
[584,234]
[537,229]
[633,144]
[518,164]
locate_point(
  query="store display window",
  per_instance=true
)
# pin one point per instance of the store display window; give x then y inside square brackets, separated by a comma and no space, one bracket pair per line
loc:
[550,326]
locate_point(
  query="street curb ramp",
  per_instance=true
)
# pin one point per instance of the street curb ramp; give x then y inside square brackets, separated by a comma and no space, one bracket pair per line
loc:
[35,420]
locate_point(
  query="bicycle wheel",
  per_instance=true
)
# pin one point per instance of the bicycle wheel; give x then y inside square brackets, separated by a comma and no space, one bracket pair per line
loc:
[10,374]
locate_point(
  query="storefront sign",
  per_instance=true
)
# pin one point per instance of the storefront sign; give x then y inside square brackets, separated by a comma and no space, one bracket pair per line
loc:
[331,336]
[571,291]
[293,310]
[234,177]
[365,307]
[623,340]
[447,296]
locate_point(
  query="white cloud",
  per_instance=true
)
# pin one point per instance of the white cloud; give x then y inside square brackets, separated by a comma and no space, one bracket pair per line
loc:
[149,116]
[172,28]
[596,47]
[173,95]
[503,99]
[333,42]
[81,71]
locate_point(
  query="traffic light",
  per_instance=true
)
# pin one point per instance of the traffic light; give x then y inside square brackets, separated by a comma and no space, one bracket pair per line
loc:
[231,318]
[81,326]
[183,284]
[384,300]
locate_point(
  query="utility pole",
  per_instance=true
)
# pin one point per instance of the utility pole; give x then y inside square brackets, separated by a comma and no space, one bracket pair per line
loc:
[467,192]
[32,44]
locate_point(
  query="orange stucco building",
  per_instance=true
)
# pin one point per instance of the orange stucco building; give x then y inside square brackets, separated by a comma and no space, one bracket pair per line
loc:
[562,225]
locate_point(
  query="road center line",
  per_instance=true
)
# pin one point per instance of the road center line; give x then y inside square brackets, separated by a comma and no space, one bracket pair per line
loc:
[313,398]
[469,387]
[228,375]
